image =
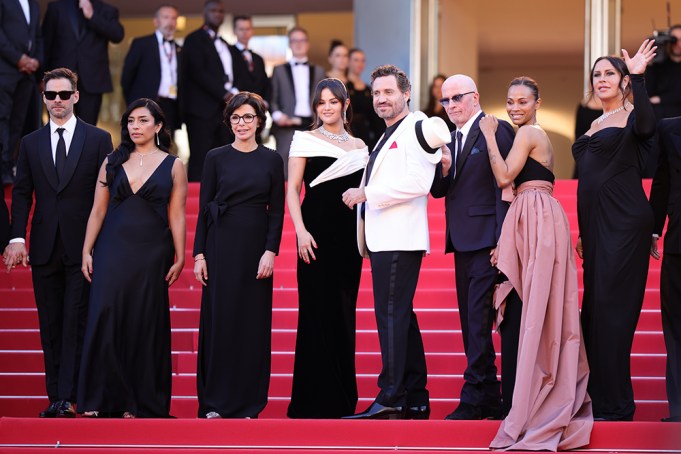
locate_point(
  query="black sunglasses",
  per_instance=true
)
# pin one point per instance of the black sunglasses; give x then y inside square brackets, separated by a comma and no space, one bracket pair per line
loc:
[63,95]
[456,98]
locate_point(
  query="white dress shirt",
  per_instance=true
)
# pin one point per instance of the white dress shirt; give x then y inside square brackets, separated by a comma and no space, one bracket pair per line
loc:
[168,54]
[226,58]
[465,129]
[26,9]
[301,85]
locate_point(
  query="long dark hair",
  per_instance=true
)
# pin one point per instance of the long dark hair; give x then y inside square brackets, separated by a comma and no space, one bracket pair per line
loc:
[121,154]
[620,67]
[432,100]
[338,90]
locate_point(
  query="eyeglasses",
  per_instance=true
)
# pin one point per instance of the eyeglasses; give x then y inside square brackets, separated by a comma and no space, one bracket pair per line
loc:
[63,95]
[247,118]
[456,98]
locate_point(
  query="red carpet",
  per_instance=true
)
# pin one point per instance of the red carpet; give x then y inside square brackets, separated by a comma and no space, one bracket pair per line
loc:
[304,435]
[22,389]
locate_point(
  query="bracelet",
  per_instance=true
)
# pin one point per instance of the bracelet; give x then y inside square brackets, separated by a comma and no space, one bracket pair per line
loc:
[199,259]
[656,236]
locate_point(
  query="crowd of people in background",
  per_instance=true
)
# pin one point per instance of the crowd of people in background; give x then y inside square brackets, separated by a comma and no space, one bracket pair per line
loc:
[108,228]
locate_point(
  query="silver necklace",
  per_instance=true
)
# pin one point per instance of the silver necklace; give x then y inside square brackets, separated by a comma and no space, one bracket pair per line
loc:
[142,155]
[603,117]
[331,136]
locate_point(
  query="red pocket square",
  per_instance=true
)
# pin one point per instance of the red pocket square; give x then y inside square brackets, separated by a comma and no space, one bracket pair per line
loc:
[394,145]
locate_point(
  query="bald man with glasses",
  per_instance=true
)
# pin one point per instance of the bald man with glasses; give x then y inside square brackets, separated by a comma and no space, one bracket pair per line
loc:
[474,212]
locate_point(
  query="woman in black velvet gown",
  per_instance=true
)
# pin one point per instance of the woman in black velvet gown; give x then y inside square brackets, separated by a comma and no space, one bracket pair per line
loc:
[241,214]
[329,161]
[136,227]
[615,225]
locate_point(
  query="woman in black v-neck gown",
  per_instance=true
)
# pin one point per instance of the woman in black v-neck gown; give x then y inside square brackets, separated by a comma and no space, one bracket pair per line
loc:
[126,362]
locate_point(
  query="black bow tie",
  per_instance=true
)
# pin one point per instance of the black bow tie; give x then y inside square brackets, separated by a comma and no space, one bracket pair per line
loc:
[169,41]
[300,63]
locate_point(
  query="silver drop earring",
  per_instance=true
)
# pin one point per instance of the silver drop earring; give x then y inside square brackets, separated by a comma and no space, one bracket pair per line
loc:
[158,142]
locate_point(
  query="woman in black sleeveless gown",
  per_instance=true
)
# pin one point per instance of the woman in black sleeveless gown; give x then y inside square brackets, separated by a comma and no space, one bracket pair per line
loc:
[329,161]
[241,215]
[616,226]
[136,228]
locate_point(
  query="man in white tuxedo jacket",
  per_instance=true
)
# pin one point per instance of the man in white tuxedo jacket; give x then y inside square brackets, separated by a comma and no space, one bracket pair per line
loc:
[393,234]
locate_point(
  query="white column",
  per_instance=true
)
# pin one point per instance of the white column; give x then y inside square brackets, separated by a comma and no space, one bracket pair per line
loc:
[602,32]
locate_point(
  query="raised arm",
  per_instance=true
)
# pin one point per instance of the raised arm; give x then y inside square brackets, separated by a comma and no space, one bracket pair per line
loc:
[645,116]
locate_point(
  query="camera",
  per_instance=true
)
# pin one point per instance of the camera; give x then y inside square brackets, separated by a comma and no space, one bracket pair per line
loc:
[662,38]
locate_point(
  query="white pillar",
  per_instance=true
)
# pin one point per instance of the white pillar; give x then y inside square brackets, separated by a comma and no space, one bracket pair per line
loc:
[602,32]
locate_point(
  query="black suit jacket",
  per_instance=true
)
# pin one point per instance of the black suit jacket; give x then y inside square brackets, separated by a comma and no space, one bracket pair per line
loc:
[665,194]
[63,207]
[255,81]
[473,205]
[17,37]
[202,76]
[86,50]
[141,75]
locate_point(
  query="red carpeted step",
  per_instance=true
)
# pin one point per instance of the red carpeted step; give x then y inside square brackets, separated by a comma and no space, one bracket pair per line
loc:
[275,435]
[434,340]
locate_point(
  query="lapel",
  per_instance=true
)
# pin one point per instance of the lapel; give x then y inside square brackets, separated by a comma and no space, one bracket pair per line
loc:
[676,141]
[406,124]
[289,73]
[73,155]
[311,79]
[72,12]
[468,146]
[34,11]
[45,156]
[20,12]
[154,52]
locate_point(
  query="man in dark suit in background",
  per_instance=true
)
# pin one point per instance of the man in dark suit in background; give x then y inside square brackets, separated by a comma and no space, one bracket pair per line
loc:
[206,83]
[665,198]
[475,214]
[21,53]
[292,86]
[58,165]
[77,35]
[150,68]
[249,69]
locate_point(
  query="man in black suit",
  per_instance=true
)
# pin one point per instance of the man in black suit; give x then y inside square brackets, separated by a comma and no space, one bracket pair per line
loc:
[249,69]
[665,198]
[150,68]
[77,35]
[206,83]
[21,52]
[58,165]
[293,84]
[475,214]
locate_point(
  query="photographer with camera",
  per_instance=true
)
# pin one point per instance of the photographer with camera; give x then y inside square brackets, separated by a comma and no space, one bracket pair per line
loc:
[662,77]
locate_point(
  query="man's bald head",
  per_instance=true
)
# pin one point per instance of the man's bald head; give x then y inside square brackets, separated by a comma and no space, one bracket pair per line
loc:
[461,95]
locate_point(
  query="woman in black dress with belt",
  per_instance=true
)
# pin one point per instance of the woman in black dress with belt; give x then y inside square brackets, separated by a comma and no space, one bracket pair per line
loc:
[328,161]
[615,225]
[241,214]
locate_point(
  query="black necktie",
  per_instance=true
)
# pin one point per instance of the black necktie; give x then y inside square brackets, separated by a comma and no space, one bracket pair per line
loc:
[60,156]
[459,136]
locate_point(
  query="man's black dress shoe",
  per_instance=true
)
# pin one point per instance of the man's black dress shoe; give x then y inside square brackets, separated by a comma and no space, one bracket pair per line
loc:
[66,410]
[378,411]
[419,412]
[467,411]
[672,419]
[51,410]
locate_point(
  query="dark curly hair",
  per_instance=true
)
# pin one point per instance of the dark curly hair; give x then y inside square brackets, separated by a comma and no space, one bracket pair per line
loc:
[121,154]
[252,99]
